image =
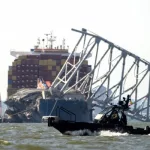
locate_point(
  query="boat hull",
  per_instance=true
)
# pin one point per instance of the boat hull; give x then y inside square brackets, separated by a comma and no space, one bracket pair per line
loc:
[67,128]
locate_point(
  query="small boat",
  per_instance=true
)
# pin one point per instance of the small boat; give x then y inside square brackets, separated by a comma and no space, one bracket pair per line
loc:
[113,119]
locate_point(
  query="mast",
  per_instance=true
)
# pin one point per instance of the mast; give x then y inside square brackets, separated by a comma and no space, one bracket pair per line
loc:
[51,40]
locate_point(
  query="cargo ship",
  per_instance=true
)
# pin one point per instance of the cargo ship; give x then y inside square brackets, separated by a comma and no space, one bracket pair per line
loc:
[42,62]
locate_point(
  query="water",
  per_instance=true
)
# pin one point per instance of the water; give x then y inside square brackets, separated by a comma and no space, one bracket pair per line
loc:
[40,137]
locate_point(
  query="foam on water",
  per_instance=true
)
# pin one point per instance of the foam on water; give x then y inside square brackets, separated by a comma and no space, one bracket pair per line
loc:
[110,133]
[84,132]
[87,132]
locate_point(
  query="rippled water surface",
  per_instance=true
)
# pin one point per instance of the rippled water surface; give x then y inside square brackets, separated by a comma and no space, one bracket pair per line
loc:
[40,137]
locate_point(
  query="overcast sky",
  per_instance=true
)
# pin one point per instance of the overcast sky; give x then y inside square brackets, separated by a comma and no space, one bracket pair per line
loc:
[125,22]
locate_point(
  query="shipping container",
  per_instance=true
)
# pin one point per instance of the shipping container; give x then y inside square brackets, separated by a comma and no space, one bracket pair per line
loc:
[58,62]
[63,61]
[23,61]
[41,62]
[34,61]
[22,57]
[64,57]
[13,77]
[9,86]
[53,68]
[18,66]
[49,67]
[45,62]
[49,61]
[10,68]
[10,72]
[43,57]
[54,63]
[57,68]
[33,56]
[9,81]
[57,57]
[53,73]
[18,62]
[41,68]
[14,63]
[10,77]
[27,68]
[14,68]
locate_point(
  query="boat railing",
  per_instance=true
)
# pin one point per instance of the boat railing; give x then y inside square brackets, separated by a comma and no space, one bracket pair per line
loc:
[66,111]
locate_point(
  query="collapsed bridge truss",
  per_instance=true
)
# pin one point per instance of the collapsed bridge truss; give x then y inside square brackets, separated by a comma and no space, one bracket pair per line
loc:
[115,74]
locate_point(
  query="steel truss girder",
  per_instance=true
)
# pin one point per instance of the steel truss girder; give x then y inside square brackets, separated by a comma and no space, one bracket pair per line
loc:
[113,92]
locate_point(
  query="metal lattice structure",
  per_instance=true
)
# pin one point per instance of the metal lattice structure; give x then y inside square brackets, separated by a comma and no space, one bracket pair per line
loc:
[115,74]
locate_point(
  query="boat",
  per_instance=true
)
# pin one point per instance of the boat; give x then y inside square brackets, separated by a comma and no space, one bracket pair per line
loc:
[114,120]
[26,101]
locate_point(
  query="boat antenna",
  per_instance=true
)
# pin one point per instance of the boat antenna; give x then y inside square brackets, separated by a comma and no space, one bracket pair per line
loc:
[43,44]
[47,39]
[52,39]
[38,41]
[63,43]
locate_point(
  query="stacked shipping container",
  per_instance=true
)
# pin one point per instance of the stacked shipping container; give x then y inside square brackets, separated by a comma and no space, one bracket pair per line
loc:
[27,68]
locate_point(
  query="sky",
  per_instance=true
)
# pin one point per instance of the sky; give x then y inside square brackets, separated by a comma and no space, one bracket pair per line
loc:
[125,22]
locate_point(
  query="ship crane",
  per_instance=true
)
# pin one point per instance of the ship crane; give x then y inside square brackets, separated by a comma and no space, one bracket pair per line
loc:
[115,74]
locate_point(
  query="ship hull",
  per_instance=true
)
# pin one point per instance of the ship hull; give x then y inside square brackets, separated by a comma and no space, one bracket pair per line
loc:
[71,110]
[31,108]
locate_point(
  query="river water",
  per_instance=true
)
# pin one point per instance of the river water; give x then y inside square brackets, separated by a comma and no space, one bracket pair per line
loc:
[40,137]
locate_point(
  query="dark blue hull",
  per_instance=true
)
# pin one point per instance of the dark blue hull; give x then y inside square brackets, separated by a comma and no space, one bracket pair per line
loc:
[72,110]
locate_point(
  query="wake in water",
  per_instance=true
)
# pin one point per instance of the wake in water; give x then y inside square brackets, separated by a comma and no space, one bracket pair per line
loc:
[87,132]
[84,132]
[110,133]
